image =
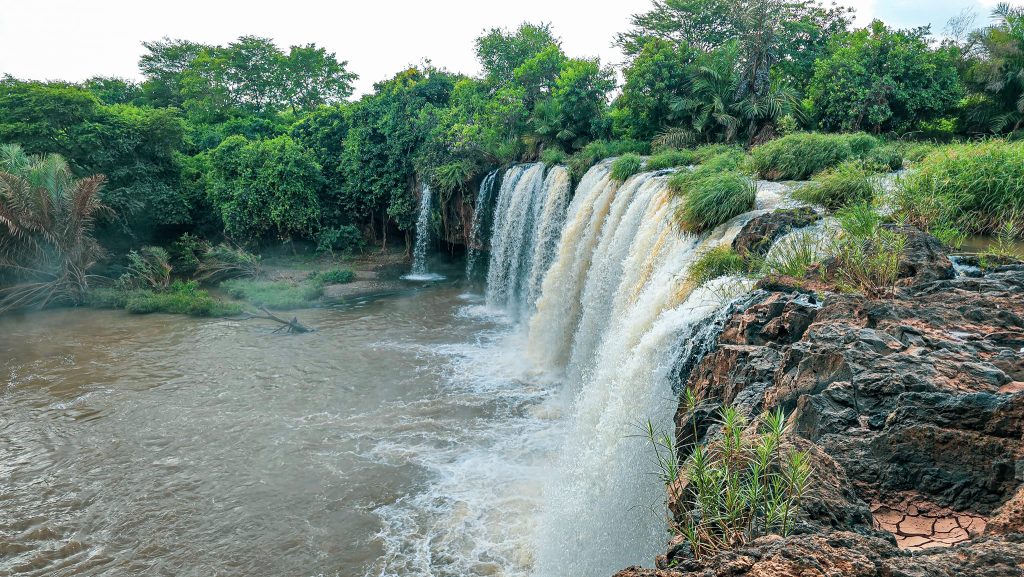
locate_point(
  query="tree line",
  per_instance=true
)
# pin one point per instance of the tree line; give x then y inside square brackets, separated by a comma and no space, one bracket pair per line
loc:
[258,144]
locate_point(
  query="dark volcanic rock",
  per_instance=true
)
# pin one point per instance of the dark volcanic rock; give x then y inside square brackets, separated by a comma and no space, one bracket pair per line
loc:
[912,409]
[758,235]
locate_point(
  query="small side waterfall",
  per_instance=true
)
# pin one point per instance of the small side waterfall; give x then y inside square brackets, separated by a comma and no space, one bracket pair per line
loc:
[419,254]
[481,220]
[601,286]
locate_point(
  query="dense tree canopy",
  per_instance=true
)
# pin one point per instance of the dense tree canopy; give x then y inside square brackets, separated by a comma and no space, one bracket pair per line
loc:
[257,143]
[881,79]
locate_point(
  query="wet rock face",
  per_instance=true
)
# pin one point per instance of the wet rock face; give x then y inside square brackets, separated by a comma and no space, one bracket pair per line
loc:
[758,235]
[912,408]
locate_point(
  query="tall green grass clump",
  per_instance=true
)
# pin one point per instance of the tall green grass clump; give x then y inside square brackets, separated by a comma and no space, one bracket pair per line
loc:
[279,295]
[599,150]
[794,255]
[626,166]
[968,187]
[710,198]
[227,262]
[800,156]
[717,262]
[671,158]
[736,488]
[867,252]
[849,183]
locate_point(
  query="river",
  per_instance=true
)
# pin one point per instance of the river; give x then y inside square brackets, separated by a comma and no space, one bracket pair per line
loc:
[395,440]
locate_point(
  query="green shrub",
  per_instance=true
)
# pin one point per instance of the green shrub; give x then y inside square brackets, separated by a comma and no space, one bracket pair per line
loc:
[344,239]
[553,156]
[226,262]
[187,253]
[800,156]
[336,276]
[736,488]
[849,183]
[917,152]
[150,267]
[717,262]
[710,198]
[1005,247]
[281,295]
[626,166]
[968,187]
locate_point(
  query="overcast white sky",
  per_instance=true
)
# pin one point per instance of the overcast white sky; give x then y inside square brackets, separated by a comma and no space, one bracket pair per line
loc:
[76,39]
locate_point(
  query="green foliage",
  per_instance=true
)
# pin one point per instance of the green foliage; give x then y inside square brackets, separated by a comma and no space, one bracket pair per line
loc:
[341,240]
[849,183]
[709,197]
[885,158]
[793,256]
[671,158]
[149,268]
[717,262]
[655,80]
[278,295]
[970,187]
[992,65]
[1006,246]
[265,187]
[553,156]
[136,149]
[599,150]
[867,252]
[180,298]
[883,80]
[736,488]
[187,252]
[799,156]
[626,166]
[227,262]
[336,276]
[47,219]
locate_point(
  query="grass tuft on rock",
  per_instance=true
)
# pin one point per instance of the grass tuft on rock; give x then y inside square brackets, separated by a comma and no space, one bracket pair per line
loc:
[709,198]
[717,262]
[626,166]
[849,183]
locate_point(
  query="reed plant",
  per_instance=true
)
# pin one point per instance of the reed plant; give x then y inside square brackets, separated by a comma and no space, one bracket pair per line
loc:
[708,198]
[716,262]
[740,486]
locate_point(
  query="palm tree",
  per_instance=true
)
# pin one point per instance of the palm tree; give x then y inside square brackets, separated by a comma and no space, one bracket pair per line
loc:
[47,218]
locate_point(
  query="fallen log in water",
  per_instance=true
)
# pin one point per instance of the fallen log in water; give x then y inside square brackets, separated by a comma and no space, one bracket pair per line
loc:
[292,326]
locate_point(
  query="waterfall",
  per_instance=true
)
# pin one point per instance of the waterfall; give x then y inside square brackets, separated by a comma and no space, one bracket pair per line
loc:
[616,323]
[528,217]
[481,218]
[419,254]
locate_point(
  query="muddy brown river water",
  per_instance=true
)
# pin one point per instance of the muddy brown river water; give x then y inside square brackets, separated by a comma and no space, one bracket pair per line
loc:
[395,440]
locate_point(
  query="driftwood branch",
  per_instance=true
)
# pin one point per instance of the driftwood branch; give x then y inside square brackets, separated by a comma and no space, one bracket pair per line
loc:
[292,326]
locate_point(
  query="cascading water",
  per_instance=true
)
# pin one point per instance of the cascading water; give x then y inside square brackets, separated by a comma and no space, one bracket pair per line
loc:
[420,271]
[481,216]
[615,323]
[528,216]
